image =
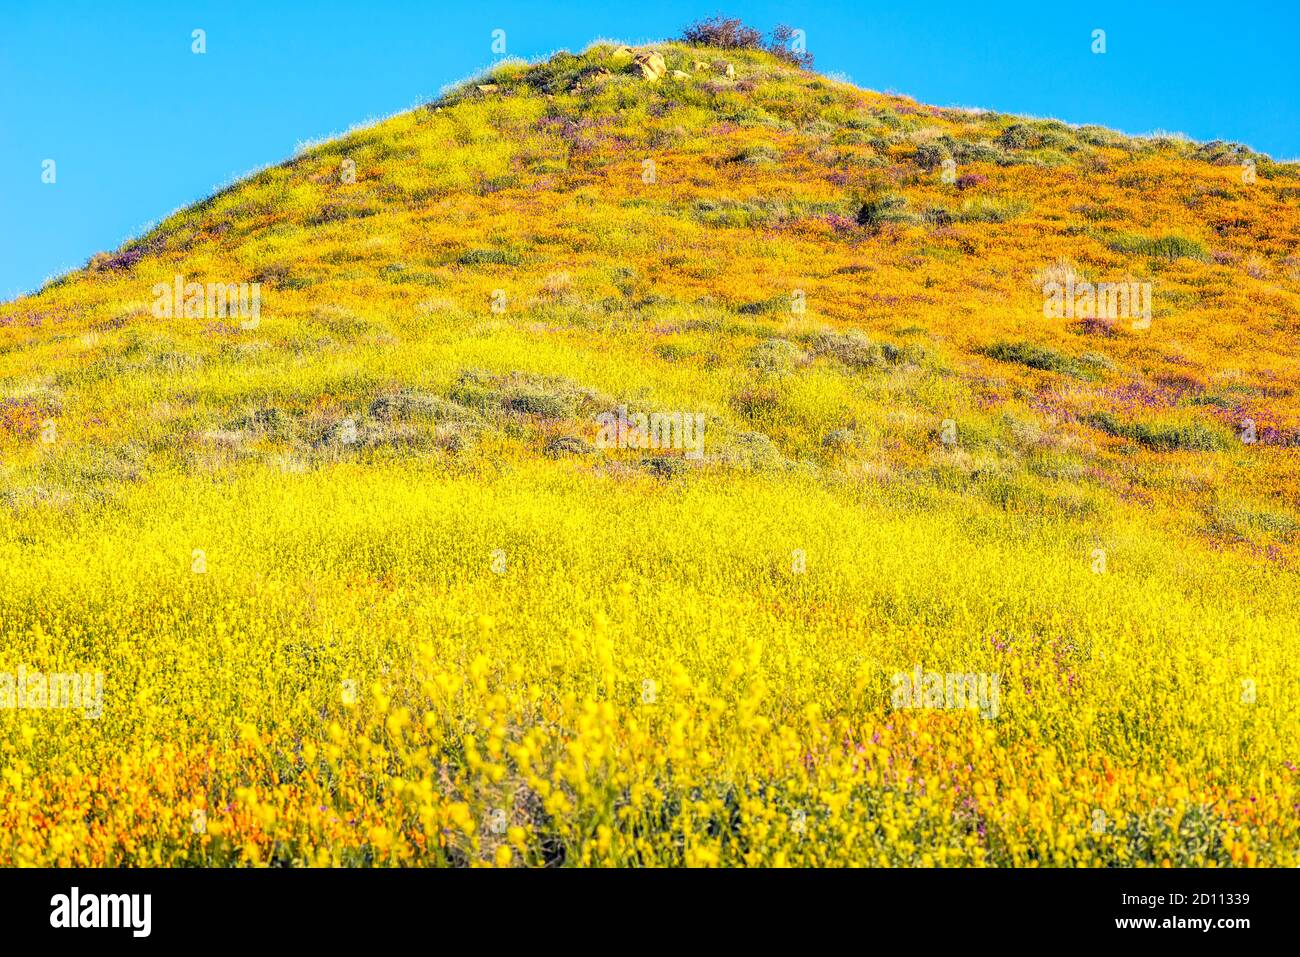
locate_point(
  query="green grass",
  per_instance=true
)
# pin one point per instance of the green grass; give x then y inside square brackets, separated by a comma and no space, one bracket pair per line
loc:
[991,209]
[1164,437]
[1170,246]
[1034,356]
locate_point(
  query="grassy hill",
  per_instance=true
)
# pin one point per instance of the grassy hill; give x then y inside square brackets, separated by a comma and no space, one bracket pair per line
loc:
[365,584]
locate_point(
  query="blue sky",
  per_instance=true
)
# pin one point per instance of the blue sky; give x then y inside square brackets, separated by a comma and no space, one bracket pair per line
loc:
[138,125]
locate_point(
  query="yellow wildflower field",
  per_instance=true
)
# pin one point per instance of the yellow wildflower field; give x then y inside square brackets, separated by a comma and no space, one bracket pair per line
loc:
[715,465]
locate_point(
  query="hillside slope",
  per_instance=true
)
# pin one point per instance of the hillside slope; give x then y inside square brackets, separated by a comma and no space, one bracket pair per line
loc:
[365,583]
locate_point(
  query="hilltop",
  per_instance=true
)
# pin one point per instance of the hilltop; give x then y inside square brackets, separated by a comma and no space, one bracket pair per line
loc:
[977,393]
[654,240]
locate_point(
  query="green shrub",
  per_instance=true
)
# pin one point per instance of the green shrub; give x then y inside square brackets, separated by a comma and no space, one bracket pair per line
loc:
[766,307]
[931,155]
[858,352]
[977,151]
[1017,136]
[1034,356]
[560,446]
[1225,154]
[410,405]
[489,257]
[1239,522]
[1100,136]
[522,393]
[936,216]
[990,209]
[1169,247]
[533,401]
[759,155]
[731,213]
[889,208]
[1163,437]
[775,357]
[1039,135]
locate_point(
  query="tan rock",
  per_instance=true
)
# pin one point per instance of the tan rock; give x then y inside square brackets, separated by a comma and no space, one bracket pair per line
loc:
[680,75]
[730,71]
[488,88]
[651,65]
[699,65]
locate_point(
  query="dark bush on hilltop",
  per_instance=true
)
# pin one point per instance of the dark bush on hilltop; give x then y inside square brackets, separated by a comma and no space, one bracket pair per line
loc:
[781,47]
[1225,154]
[1038,134]
[730,33]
